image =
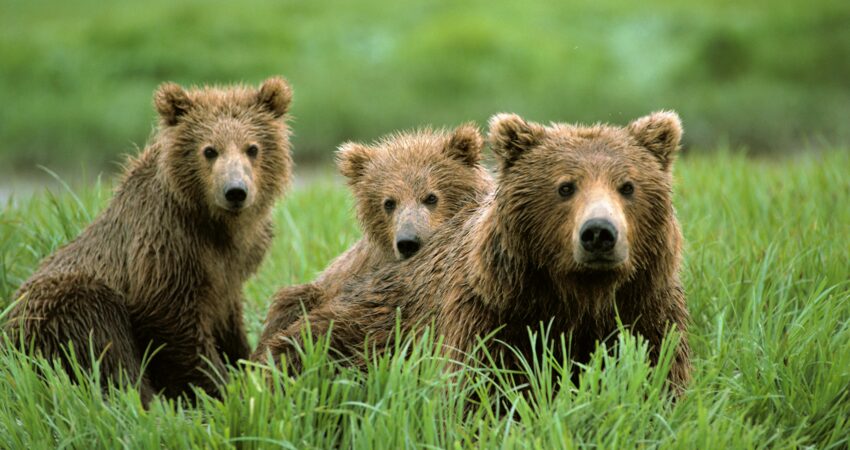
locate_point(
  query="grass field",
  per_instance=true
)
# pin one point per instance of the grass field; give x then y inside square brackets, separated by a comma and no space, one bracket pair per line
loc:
[766,271]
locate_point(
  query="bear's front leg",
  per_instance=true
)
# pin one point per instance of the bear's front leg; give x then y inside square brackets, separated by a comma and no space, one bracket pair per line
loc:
[347,335]
[669,310]
[288,305]
[231,339]
[186,355]
[210,368]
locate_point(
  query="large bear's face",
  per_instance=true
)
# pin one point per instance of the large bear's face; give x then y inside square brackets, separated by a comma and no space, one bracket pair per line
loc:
[228,148]
[587,200]
[409,184]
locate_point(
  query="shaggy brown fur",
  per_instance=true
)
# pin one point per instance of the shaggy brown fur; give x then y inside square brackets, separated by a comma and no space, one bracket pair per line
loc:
[163,265]
[425,176]
[520,258]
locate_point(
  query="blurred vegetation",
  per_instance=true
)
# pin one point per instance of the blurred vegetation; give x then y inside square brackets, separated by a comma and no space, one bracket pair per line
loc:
[76,77]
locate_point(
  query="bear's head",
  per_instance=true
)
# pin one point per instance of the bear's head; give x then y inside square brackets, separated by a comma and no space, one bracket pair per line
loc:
[589,203]
[408,184]
[225,149]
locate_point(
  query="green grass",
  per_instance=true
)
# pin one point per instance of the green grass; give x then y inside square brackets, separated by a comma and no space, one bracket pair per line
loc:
[77,76]
[766,271]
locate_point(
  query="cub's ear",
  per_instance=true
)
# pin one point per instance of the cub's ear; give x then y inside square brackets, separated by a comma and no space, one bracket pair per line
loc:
[275,95]
[510,136]
[171,102]
[352,158]
[661,133]
[465,144]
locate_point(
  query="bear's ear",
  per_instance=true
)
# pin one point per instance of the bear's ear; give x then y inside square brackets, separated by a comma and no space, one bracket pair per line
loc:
[171,102]
[510,136]
[465,144]
[661,133]
[275,95]
[352,158]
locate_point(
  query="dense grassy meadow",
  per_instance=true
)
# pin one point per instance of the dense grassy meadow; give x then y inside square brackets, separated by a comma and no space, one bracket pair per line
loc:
[77,76]
[766,271]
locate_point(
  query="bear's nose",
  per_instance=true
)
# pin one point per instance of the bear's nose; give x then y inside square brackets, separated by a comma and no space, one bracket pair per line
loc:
[408,245]
[598,235]
[235,194]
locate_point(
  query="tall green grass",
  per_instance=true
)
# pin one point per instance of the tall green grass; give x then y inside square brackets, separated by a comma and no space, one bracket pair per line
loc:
[767,264]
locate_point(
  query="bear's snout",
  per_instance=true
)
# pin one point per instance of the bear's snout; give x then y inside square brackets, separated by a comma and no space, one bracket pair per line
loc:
[411,232]
[598,236]
[236,193]
[233,183]
[407,244]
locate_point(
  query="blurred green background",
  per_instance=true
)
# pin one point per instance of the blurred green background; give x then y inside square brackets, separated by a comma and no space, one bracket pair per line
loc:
[76,77]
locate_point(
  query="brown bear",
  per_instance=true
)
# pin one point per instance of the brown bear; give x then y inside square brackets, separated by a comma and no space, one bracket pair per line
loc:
[161,268]
[580,229]
[405,187]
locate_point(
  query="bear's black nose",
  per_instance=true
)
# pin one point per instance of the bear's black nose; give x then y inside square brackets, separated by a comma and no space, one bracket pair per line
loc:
[598,235]
[236,194]
[408,245]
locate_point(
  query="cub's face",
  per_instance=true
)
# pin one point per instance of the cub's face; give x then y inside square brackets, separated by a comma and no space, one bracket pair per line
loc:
[407,185]
[590,200]
[230,147]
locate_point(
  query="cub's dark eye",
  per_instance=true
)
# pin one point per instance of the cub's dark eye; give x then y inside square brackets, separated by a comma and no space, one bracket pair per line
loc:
[210,152]
[389,205]
[430,199]
[567,189]
[627,189]
[252,151]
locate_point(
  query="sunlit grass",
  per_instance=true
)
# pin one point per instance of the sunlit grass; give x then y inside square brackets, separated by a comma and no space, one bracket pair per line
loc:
[766,271]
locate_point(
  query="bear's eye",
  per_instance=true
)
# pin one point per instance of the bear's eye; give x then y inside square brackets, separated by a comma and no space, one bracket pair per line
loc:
[430,199]
[627,189]
[252,151]
[567,189]
[389,205]
[210,152]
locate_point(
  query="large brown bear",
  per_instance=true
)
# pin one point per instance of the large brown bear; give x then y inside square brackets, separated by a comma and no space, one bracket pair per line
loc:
[580,228]
[405,187]
[162,266]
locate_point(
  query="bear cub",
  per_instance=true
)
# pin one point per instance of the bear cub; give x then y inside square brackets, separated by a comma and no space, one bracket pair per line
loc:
[161,268]
[405,186]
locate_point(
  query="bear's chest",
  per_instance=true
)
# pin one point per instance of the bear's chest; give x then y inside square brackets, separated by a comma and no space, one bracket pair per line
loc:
[223,272]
